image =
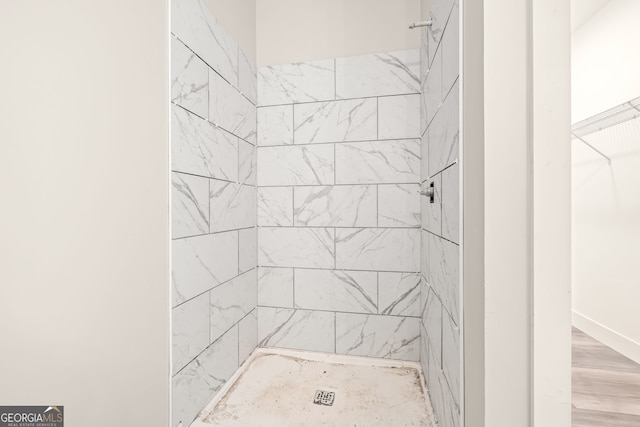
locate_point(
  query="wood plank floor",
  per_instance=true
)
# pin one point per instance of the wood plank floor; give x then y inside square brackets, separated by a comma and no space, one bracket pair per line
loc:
[606,385]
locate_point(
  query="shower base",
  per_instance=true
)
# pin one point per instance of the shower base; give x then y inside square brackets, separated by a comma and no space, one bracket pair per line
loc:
[277,387]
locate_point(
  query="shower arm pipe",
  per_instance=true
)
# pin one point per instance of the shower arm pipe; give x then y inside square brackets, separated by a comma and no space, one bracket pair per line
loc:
[592,147]
[421,24]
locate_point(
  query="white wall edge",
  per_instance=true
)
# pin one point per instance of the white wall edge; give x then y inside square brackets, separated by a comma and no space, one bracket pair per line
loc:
[607,336]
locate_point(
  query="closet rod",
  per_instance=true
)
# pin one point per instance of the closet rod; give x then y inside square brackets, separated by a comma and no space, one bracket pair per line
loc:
[592,147]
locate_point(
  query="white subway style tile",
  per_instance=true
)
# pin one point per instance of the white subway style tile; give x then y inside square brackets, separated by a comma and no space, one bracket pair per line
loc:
[335,121]
[189,205]
[298,82]
[389,337]
[296,247]
[384,249]
[296,165]
[378,162]
[335,206]
[202,262]
[296,329]
[189,79]
[333,290]
[230,110]
[198,148]
[275,125]
[378,74]
[197,28]
[399,117]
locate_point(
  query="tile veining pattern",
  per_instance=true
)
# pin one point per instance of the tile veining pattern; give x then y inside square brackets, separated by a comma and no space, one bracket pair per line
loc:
[440,237]
[338,205]
[214,275]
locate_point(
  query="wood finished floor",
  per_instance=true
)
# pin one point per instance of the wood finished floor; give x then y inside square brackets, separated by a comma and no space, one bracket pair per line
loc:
[606,385]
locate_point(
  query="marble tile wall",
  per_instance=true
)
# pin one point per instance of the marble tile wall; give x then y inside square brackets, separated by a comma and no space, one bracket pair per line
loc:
[213,196]
[338,206]
[440,222]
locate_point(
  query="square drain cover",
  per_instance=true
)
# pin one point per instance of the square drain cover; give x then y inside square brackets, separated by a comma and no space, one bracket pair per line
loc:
[324,398]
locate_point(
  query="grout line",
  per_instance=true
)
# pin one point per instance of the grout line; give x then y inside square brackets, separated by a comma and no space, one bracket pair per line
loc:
[377,119]
[210,344]
[337,185]
[415,227]
[333,269]
[293,304]
[377,205]
[214,233]
[335,331]
[378,290]
[320,101]
[212,288]
[395,316]
[356,141]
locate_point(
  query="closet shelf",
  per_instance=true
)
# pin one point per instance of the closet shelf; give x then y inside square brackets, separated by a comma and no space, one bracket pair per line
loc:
[611,117]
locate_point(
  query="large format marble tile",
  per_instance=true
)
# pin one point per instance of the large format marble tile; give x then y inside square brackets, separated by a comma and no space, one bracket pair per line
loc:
[399,117]
[439,14]
[399,294]
[195,26]
[335,206]
[444,134]
[444,270]
[231,302]
[433,88]
[399,205]
[247,335]
[275,287]
[248,239]
[230,110]
[424,54]
[247,78]
[189,205]
[232,206]
[189,79]
[189,330]
[389,337]
[275,206]
[335,121]
[296,247]
[424,151]
[247,166]
[378,162]
[444,407]
[275,125]
[432,321]
[198,148]
[201,379]
[378,249]
[296,329]
[378,74]
[451,50]
[202,262]
[451,203]
[434,387]
[296,165]
[336,290]
[451,356]
[424,256]
[298,82]
[432,212]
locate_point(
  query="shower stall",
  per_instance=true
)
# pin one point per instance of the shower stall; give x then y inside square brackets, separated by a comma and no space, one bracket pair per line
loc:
[297,215]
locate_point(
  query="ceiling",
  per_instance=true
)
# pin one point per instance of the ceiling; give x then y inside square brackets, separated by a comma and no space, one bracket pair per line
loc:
[583,10]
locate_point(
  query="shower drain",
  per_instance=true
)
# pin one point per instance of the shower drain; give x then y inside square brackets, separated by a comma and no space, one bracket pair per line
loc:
[324,398]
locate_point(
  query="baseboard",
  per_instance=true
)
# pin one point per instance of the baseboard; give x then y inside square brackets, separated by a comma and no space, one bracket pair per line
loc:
[608,337]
